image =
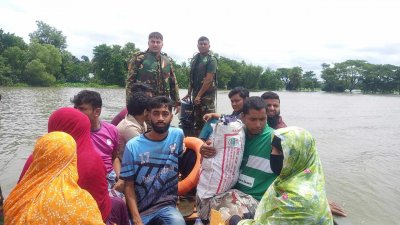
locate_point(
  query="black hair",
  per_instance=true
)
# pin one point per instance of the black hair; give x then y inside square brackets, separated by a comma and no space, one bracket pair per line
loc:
[141,87]
[158,102]
[253,102]
[156,35]
[137,103]
[243,92]
[270,95]
[87,97]
[203,38]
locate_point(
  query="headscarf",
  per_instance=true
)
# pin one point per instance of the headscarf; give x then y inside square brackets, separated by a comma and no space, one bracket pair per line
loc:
[49,193]
[297,195]
[91,169]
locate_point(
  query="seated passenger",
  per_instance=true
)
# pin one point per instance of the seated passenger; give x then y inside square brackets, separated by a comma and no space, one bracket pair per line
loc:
[150,168]
[134,122]
[91,169]
[237,96]
[255,172]
[49,193]
[104,135]
[297,195]
[136,87]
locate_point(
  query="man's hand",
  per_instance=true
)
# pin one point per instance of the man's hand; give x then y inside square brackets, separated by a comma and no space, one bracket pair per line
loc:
[209,116]
[186,97]
[197,100]
[207,150]
[119,186]
[336,209]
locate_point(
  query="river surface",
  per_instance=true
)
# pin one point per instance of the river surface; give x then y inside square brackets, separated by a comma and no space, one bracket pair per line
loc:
[357,137]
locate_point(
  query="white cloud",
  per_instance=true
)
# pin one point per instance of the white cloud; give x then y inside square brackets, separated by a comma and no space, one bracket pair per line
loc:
[282,33]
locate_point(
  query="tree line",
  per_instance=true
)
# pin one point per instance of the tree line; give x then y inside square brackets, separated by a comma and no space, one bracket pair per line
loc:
[45,61]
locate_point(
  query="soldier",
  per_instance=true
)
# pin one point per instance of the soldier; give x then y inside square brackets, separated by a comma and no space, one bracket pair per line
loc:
[202,85]
[154,68]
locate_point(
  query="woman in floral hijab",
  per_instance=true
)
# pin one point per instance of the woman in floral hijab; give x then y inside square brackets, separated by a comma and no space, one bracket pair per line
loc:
[297,196]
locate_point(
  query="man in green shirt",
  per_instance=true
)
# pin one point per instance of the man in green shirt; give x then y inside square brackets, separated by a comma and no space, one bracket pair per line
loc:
[255,171]
[154,68]
[202,87]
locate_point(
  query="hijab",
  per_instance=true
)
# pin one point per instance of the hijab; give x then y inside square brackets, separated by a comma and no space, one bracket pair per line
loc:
[297,196]
[91,169]
[48,193]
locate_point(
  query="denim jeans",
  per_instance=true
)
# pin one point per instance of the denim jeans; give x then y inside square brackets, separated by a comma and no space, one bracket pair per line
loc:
[168,215]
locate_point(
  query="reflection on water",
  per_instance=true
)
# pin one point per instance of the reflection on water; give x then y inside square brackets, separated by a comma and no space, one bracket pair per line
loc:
[357,138]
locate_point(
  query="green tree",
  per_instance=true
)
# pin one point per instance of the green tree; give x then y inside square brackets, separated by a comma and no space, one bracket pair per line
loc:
[291,77]
[36,74]
[224,73]
[9,40]
[109,65]
[73,69]
[5,72]
[270,80]
[251,75]
[310,80]
[182,74]
[332,79]
[17,59]
[379,78]
[351,72]
[49,56]
[127,52]
[46,34]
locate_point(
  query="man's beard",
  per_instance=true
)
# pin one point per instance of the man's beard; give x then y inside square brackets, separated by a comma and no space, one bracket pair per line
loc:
[273,121]
[160,130]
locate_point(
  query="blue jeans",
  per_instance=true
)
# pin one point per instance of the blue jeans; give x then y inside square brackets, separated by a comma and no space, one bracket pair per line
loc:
[168,215]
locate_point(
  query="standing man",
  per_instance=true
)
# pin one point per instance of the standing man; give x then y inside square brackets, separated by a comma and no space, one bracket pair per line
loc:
[202,85]
[154,68]
[150,168]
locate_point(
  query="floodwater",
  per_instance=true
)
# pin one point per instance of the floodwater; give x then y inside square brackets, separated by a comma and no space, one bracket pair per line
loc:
[357,137]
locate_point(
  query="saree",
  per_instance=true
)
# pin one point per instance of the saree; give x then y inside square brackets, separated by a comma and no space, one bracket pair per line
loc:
[297,196]
[91,169]
[49,193]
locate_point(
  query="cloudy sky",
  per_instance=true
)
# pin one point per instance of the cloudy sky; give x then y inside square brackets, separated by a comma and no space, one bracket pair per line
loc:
[284,33]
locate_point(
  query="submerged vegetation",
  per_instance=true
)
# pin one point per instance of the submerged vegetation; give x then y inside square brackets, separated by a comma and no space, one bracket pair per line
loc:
[45,61]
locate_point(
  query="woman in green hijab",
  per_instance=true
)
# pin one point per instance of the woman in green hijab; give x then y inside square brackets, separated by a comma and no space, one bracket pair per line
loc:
[297,196]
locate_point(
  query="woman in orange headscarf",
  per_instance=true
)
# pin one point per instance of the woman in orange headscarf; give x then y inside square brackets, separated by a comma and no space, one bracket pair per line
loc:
[49,193]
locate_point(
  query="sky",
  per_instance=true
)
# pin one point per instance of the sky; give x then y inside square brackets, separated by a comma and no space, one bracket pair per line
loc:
[274,34]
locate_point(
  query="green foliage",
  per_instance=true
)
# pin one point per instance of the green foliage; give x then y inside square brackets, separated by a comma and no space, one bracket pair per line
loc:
[291,77]
[74,70]
[333,80]
[380,79]
[109,65]
[309,81]
[46,34]
[270,80]
[182,74]
[9,40]
[224,72]
[36,74]
[5,73]
[17,59]
[48,55]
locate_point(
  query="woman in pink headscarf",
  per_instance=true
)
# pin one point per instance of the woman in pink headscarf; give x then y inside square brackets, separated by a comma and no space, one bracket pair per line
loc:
[91,169]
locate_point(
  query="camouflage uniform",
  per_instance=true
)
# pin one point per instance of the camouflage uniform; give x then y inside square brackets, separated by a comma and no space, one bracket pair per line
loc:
[200,66]
[157,72]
